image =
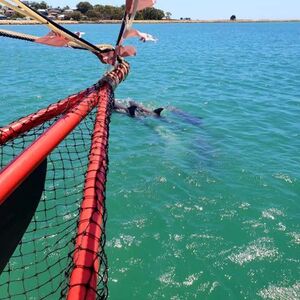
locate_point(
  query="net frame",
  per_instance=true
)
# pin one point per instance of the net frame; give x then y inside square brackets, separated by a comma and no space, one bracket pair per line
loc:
[87,265]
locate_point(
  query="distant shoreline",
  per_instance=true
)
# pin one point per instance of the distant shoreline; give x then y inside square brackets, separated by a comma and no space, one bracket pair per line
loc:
[30,22]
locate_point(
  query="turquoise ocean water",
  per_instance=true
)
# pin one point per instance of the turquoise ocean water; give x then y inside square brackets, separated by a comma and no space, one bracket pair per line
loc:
[196,210]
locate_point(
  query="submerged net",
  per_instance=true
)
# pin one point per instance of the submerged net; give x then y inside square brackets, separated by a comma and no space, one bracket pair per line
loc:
[62,255]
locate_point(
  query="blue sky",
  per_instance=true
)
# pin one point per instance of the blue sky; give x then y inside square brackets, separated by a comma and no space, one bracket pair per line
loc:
[215,9]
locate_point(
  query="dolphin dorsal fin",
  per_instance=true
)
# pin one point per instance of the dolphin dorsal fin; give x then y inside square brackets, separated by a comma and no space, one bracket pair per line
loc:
[131,110]
[158,110]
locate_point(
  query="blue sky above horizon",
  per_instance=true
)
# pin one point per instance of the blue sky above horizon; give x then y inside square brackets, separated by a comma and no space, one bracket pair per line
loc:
[215,9]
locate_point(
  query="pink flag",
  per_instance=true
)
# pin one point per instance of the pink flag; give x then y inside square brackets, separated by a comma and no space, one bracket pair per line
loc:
[110,57]
[144,37]
[125,51]
[141,4]
[53,39]
[129,4]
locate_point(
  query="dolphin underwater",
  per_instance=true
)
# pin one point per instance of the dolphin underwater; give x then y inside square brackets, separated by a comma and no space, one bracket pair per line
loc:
[135,109]
[169,129]
[196,121]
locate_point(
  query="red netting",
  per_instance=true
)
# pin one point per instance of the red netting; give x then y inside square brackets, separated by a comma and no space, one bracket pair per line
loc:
[61,255]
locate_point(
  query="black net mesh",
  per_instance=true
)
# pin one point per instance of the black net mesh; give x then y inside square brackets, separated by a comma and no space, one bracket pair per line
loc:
[50,252]
[40,266]
[93,205]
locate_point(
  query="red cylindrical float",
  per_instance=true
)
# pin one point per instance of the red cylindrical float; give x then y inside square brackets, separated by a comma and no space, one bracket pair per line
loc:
[83,280]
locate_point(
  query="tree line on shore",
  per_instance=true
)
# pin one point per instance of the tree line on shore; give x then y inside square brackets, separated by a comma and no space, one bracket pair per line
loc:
[87,11]
[109,12]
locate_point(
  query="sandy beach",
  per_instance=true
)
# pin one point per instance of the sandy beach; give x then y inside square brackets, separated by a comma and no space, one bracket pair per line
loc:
[31,22]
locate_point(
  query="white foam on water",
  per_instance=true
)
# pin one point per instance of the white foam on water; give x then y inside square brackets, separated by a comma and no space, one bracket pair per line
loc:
[274,292]
[205,236]
[161,179]
[255,224]
[156,236]
[70,216]
[244,205]
[190,280]
[168,277]
[208,287]
[176,237]
[272,213]
[214,285]
[123,241]
[284,177]
[258,250]
[296,237]
[166,134]
[123,270]
[281,227]
[138,223]
[228,214]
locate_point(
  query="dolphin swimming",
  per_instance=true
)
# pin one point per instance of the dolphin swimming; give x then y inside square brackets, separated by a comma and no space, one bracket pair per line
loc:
[134,109]
[143,111]
[188,118]
[171,129]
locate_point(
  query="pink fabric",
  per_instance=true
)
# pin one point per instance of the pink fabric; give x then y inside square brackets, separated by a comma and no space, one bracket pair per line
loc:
[125,51]
[111,56]
[142,4]
[131,33]
[53,39]
[129,4]
[144,37]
